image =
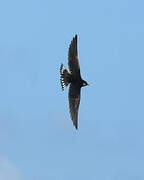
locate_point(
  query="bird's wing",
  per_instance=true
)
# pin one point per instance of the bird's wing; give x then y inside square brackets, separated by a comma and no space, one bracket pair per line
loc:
[73,61]
[74,101]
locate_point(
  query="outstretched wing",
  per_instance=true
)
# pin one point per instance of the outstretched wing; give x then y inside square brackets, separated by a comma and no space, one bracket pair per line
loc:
[73,62]
[74,101]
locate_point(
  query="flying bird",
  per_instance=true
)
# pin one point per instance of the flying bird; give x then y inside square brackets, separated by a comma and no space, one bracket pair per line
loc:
[73,77]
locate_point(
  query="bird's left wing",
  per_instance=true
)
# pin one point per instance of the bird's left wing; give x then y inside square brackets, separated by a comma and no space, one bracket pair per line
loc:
[74,101]
[73,61]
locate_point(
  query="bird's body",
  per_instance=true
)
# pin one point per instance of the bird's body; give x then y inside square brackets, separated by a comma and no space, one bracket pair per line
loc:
[74,79]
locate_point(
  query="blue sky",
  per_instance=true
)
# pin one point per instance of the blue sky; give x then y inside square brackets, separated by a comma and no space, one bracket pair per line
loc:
[37,138]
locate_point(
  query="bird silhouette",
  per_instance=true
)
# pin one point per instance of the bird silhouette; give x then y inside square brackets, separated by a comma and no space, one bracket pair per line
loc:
[74,79]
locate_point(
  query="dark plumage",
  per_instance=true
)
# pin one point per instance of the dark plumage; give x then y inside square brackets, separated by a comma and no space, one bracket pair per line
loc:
[75,80]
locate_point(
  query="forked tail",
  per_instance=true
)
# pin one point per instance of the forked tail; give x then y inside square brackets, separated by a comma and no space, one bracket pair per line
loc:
[64,77]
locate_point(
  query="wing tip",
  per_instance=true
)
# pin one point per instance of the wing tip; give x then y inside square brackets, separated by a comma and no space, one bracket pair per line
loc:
[75,125]
[74,38]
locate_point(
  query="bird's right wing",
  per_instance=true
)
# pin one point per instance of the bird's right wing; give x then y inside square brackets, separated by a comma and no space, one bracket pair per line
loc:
[73,61]
[74,101]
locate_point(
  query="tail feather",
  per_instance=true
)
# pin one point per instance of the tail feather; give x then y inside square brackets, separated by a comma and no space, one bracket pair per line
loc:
[64,77]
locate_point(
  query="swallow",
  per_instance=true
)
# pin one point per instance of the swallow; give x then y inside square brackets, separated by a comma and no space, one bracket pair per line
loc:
[73,77]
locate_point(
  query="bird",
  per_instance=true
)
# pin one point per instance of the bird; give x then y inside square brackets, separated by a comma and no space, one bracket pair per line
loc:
[72,77]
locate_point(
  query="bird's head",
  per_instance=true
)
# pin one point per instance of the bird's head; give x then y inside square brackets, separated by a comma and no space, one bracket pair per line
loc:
[84,83]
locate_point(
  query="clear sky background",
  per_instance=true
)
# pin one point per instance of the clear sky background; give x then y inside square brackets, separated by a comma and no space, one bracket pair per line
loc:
[37,138]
